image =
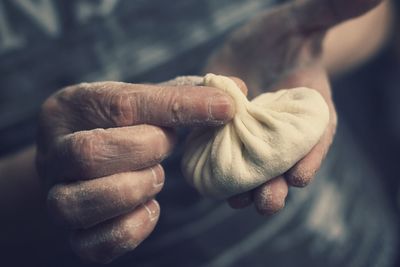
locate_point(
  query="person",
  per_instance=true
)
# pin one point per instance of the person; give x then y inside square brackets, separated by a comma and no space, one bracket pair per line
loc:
[100,144]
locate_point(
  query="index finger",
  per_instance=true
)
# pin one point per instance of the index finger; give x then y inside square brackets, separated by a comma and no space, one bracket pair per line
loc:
[115,104]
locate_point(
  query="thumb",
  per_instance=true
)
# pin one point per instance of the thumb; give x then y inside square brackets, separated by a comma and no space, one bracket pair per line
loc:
[241,84]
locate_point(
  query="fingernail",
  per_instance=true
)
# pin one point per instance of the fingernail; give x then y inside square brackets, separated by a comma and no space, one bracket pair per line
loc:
[153,209]
[158,175]
[221,108]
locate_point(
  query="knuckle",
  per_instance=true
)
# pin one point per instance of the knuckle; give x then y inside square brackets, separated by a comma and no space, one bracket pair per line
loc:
[51,105]
[176,110]
[61,206]
[77,92]
[172,102]
[50,114]
[108,102]
[63,97]
[82,148]
[130,195]
[133,194]
[120,107]
[152,143]
[60,97]
[78,146]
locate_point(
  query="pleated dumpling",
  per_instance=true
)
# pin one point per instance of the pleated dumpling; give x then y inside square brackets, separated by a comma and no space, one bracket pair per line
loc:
[266,137]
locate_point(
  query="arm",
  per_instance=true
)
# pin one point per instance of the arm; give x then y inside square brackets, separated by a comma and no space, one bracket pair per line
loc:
[353,42]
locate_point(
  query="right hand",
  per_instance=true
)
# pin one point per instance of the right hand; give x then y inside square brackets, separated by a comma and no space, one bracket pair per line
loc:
[99,149]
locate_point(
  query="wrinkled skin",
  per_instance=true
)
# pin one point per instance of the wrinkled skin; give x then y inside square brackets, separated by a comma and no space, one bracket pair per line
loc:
[100,152]
[100,145]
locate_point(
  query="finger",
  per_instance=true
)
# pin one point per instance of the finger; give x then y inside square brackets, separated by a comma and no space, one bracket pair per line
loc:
[317,15]
[314,77]
[245,199]
[241,84]
[102,152]
[84,204]
[113,104]
[270,197]
[241,201]
[109,240]
[302,173]
[184,81]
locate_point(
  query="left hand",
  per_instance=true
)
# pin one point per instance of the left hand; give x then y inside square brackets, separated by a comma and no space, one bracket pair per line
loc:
[282,48]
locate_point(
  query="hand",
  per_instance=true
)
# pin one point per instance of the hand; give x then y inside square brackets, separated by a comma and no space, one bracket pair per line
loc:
[99,149]
[282,48]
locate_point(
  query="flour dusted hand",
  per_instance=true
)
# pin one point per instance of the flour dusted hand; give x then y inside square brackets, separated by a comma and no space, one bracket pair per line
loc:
[266,137]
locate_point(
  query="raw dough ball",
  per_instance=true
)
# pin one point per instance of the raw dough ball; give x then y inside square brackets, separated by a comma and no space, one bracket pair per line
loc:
[266,137]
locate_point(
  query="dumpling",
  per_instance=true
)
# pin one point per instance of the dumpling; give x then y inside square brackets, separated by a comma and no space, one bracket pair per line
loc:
[266,137]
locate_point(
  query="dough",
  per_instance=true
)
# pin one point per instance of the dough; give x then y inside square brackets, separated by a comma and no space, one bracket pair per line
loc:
[266,137]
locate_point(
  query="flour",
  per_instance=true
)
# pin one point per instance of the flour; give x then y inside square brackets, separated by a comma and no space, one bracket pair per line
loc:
[266,137]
